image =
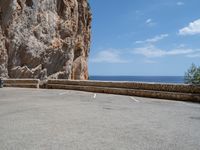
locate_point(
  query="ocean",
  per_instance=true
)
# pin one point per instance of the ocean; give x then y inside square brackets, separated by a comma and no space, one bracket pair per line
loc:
[156,79]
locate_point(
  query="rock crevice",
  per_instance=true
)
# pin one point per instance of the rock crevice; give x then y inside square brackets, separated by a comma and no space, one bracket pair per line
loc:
[44,38]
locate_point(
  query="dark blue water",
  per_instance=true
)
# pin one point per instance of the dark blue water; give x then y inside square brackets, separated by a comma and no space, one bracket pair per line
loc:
[159,79]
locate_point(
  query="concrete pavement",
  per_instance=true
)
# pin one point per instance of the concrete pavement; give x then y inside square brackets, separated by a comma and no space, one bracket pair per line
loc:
[36,119]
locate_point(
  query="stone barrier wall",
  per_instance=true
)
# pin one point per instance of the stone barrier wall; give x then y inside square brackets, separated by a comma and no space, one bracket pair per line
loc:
[181,92]
[24,83]
[183,88]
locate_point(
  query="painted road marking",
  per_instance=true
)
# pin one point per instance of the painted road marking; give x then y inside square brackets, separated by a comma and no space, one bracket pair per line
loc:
[63,93]
[133,98]
[95,95]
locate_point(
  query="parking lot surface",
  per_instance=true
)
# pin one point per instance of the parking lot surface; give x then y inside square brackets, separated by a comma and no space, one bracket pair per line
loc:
[40,119]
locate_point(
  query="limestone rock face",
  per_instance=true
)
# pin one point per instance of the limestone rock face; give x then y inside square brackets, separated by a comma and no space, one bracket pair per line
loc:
[44,38]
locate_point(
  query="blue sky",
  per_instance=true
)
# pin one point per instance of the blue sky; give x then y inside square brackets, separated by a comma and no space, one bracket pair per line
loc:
[140,37]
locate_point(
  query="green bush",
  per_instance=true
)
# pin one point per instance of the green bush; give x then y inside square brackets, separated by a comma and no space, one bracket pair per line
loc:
[192,76]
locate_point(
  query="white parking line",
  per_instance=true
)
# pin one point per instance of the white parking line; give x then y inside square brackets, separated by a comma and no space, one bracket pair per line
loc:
[95,95]
[63,93]
[133,98]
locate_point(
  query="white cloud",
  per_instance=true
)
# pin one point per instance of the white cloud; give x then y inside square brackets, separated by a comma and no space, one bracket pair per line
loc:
[192,29]
[154,39]
[149,51]
[180,3]
[194,55]
[152,51]
[181,45]
[150,22]
[108,56]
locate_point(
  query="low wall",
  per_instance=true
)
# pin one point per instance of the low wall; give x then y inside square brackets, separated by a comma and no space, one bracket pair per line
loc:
[183,88]
[181,92]
[24,83]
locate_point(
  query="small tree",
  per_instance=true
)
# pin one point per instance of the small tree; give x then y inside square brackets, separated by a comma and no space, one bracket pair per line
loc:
[192,76]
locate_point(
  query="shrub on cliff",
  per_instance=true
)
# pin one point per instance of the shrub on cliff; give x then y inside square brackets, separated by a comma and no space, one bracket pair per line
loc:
[192,76]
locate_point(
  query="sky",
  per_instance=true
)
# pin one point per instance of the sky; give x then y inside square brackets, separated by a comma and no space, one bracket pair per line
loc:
[144,37]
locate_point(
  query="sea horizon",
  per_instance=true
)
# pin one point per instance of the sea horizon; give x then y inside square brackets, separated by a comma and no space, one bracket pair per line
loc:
[142,78]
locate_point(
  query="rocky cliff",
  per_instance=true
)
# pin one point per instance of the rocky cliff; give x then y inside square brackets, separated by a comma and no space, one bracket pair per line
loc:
[44,38]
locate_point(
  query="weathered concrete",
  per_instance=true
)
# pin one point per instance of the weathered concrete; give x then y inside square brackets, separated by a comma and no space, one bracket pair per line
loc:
[23,83]
[131,92]
[161,91]
[27,81]
[182,88]
[33,119]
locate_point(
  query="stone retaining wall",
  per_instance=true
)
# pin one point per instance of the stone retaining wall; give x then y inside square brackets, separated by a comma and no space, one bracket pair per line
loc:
[184,88]
[182,92]
[24,83]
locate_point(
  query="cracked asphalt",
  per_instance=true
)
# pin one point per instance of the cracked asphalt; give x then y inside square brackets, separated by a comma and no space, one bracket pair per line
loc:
[40,119]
